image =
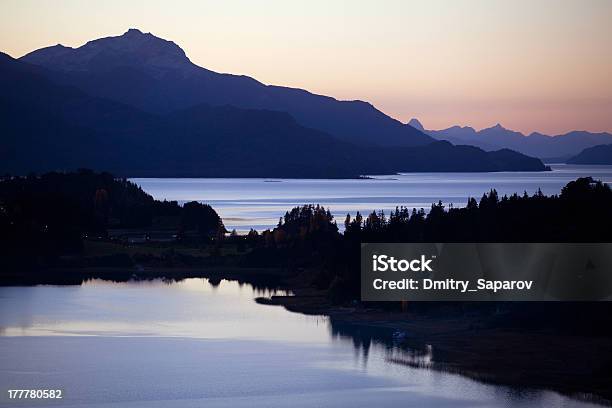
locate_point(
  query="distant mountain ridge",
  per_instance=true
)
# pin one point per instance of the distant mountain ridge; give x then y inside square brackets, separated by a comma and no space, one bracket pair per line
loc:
[535,144]
[156,76]
[47,125]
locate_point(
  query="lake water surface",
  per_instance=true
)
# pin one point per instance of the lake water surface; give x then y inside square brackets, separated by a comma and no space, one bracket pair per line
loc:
[194,344]
[258,203]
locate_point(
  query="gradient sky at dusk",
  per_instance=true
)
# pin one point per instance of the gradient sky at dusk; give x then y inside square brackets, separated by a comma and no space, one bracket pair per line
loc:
[543,65]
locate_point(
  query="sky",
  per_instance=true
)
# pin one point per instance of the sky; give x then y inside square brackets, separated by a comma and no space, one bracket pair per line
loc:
[537,65]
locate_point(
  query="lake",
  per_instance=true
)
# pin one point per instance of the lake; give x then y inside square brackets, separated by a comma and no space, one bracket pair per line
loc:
[193,343]
[258,203]
[196,344]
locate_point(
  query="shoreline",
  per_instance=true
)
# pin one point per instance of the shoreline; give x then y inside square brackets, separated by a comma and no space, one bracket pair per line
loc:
[538,360]
[76,276]
[531,359]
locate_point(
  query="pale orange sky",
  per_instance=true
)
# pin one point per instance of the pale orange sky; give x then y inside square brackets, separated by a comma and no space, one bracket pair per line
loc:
[539,65]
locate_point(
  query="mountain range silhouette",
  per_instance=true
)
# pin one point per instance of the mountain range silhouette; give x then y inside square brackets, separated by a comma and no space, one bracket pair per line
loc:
[560,147]
[137,106]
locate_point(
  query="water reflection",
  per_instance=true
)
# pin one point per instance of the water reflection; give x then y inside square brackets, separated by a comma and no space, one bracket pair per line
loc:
[397,346]
[195,307]
[209,338]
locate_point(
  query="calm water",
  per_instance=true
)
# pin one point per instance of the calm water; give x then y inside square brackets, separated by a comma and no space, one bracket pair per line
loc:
[258,203]
[192,344]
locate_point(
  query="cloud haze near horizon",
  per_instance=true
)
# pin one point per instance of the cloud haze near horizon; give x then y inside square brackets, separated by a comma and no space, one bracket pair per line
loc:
[533,66]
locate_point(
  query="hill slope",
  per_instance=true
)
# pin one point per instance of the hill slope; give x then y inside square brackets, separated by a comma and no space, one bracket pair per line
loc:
[46,126]
[156,76]
[601,154]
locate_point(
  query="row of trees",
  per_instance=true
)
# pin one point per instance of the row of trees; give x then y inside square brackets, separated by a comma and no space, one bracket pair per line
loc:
[48,215]
[309,237]
[581,213]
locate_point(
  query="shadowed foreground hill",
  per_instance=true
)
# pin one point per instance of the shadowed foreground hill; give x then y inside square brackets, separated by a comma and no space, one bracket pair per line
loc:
[44,217]
[47,127]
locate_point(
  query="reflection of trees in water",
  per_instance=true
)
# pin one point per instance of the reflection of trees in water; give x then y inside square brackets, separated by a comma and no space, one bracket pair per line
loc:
[412,357]
[264,286]
[359,336]
[399,348]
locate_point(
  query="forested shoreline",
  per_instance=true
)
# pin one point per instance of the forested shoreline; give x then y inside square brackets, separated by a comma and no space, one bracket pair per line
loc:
[51,220]
[67,228]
